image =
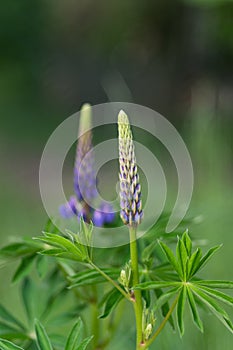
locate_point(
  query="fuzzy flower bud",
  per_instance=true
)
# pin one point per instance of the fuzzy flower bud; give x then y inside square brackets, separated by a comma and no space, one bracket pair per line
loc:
[130,189]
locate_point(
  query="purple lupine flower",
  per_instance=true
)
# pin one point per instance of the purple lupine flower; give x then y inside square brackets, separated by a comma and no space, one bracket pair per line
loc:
[104,215]
[84,179]
[130,189]
[84,175]
[70,208]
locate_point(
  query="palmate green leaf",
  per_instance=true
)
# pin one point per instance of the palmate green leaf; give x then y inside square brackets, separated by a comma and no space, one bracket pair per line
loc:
[74,341]
[89,277]
[74,338]
[182,257]
[50,227]
[59,253]
[193,263]
[157,284]
[19,249]
[215,284]
[206,258]
[180,309]
[148,250]
[162,302]
[84,343]
[111,300]
[42,265]
[217,310]
[7,345]
[24,268]
[171,258]
[67,249]
[218,295]
[11,333]
[6,316]
[165,297]
[60,242]
[193,307]
[42,338]
[187,242]
[28,297]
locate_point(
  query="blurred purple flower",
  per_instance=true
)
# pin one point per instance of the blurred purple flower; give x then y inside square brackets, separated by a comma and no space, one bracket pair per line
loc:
[84,179]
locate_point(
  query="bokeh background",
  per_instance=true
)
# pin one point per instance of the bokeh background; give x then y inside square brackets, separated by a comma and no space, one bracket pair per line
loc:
[174,56]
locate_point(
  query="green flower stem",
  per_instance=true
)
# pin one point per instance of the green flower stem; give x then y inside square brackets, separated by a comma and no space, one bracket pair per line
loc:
[162,325]
[115,284]
[137,293]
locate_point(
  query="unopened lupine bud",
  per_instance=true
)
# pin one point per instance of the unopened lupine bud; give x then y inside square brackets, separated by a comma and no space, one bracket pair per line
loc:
[148,331]
[130,189]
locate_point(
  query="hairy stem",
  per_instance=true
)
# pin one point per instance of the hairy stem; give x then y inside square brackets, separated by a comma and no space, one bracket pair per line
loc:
[137,293]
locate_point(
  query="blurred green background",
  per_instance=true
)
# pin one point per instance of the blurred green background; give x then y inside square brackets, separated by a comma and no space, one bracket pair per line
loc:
[172,56]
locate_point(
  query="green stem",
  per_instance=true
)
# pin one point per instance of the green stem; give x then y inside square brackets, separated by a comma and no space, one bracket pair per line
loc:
[166,318]
[115,284]
[137,293]
[95,323]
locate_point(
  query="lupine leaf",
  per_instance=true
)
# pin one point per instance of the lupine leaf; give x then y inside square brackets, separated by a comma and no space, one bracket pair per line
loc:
[61,242]
[194,262]
[74,338]
[165,297]
[50,227]
[10,332]
[61,254]
[89,277]
[218,295]
[195,314]
[219,312]
[148,250]
[52,252]
[69,271]
[182,256]
[19,249]
[180,310]
[24,268]
[7,345]
[162,302]
[43,341]
[187,242]
[84,343]
[111,301]
[171,257]
[206,257]
[41,265]
[216,284]
[27,294]
[156,284]
[6,316]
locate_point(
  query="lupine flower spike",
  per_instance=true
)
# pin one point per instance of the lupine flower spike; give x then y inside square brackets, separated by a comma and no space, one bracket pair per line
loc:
[130,189]
[85,180]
